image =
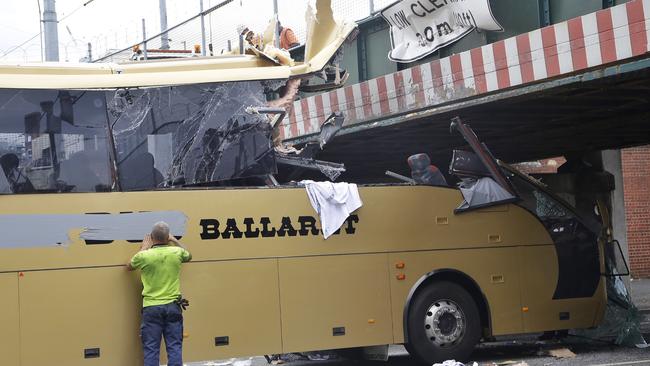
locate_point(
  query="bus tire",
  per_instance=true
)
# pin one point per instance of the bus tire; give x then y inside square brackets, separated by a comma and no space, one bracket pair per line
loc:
[443,323]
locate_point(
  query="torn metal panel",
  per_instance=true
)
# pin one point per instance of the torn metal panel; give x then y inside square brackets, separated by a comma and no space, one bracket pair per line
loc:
[322,32]
[188,135]
[330,128]
[280,113]
[305,156]
[54,229]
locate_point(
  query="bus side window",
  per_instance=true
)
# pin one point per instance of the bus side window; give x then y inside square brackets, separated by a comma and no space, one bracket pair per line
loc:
[53,141]
[538,202]
[190,135]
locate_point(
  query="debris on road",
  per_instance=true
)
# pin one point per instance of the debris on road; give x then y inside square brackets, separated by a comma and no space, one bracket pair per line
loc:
[453,363]
[561,353]
[509,363]
[245,361]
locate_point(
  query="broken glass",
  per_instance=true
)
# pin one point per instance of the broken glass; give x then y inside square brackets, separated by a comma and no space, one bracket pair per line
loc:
[622,320]
[190,135]
[330,172]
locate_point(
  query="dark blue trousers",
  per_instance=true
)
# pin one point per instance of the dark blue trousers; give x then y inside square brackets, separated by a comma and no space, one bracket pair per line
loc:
[162,321]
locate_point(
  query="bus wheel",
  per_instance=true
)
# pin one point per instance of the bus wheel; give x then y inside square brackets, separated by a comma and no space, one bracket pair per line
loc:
[443,323]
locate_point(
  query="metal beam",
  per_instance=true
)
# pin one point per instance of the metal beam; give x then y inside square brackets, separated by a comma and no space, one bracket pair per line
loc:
[504,96]
[544,13]
[362,56]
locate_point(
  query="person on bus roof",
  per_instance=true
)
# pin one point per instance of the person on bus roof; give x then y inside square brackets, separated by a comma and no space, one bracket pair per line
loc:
[159,261]
[288,38]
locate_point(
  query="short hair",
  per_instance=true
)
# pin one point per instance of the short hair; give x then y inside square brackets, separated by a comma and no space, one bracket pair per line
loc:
[160,232]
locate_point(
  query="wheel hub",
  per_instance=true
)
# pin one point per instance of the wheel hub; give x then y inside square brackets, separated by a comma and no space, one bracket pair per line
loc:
[444,323]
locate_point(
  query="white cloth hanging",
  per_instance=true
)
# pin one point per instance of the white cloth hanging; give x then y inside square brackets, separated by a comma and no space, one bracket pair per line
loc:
[334,202]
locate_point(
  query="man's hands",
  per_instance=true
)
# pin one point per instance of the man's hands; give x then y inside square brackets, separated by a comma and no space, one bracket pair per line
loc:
[147,242]
[174,240]
[179,244]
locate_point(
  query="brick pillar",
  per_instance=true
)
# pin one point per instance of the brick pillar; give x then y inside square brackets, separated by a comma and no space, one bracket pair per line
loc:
[636,183]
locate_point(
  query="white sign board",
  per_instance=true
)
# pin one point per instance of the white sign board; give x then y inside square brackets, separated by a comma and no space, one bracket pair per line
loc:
[420,27]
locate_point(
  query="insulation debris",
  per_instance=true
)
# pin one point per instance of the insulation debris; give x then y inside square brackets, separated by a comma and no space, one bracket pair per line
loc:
[561,353]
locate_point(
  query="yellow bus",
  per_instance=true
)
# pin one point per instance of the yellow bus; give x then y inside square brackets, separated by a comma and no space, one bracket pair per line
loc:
[93,155]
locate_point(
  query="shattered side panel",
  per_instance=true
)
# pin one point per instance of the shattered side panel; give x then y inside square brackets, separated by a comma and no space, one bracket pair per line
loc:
[190,135]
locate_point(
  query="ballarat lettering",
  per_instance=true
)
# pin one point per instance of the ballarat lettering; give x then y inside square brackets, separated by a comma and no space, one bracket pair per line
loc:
[264,227]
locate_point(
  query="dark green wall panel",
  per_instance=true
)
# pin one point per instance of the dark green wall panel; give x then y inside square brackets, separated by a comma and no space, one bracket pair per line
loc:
[562,10]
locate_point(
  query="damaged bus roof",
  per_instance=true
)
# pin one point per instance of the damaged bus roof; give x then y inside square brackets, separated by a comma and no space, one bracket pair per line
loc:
[324,38]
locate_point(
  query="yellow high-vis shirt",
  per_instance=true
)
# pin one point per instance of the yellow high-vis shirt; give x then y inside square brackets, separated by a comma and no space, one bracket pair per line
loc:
[160,269]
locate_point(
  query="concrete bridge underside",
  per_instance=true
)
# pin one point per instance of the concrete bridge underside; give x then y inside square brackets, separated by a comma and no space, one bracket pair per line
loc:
[576,86]
[602,109]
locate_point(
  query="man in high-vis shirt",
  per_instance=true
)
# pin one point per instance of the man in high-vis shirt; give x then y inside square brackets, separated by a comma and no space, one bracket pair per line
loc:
[159,261]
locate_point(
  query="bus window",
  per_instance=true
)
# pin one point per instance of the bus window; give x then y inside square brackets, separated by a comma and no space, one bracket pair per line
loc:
[53,141]
[543,205]
[549,210]
[190,135]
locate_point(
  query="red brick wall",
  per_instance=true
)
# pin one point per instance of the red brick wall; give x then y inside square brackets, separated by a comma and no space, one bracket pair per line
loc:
[636,188]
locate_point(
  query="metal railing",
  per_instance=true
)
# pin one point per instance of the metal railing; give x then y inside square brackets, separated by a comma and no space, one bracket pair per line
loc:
[216,28]
[188,31]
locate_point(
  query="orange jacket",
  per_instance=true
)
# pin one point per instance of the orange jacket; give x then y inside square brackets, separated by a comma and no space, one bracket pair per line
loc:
[287,38]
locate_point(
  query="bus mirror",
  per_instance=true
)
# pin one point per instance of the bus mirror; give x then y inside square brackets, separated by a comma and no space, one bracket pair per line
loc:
[615,264]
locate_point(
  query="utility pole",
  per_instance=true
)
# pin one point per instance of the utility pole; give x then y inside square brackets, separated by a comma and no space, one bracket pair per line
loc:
[203,50]
[164,37]
[144,40]
[40,27]
[51,33]
[277,24]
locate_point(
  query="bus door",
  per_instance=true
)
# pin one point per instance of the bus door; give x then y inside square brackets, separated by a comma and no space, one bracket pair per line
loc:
[561,282]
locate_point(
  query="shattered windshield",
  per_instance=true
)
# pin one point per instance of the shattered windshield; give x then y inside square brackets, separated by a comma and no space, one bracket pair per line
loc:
[190,135]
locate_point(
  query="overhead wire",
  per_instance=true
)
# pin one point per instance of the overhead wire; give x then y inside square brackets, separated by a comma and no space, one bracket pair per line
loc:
[41,32]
